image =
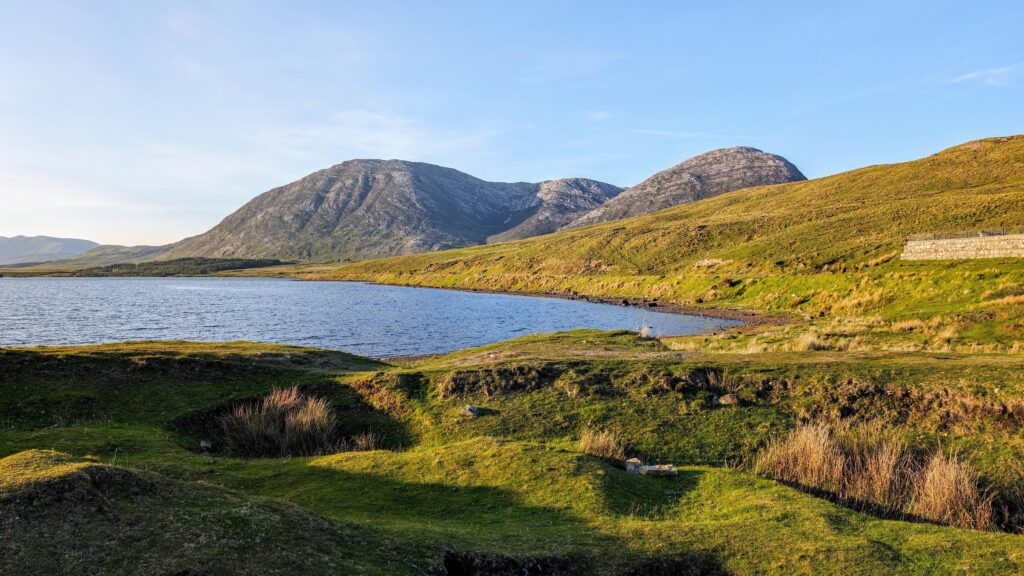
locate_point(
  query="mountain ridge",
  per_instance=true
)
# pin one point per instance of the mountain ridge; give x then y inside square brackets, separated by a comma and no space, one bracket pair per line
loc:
[22,249]
[364,209]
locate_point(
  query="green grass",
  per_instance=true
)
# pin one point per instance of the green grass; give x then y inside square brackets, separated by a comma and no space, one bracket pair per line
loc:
[68,515]
[507,483]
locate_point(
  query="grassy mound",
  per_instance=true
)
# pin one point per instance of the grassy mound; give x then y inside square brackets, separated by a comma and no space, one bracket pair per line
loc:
[64,515]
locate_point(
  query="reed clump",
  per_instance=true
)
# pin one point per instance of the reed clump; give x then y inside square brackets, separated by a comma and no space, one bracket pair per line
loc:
[285,422]
[604,444]
[874,471]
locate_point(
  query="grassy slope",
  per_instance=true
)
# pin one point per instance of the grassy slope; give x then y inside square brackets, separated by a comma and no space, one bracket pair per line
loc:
[65,515]
[509,482]
[822,248]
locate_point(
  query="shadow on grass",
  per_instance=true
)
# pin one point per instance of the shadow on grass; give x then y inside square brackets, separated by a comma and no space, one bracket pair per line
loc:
[477,529]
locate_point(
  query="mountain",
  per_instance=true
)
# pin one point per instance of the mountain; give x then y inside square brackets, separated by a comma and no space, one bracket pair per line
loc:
[800,237]
[364,209]
[18,249]
[374,208]
[559,203]
[703,176]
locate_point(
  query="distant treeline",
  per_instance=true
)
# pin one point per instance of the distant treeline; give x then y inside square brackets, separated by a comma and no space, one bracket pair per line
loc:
[177,267]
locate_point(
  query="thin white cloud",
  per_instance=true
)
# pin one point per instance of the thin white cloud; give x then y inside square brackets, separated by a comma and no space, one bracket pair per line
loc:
[992,76]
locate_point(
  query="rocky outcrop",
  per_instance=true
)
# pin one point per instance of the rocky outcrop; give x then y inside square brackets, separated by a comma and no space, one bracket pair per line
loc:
[559,203]
[703,176]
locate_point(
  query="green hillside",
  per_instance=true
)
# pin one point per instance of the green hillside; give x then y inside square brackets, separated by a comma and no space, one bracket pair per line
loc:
[825,248]
[506,492]
[849,219]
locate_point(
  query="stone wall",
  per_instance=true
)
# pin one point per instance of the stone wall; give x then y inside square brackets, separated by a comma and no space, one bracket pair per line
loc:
[1006,246]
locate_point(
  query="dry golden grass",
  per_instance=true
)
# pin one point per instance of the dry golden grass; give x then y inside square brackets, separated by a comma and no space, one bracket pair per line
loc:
[809,456]
[947,492]
[285,422]
[604,444]
[806,342]
[871,469]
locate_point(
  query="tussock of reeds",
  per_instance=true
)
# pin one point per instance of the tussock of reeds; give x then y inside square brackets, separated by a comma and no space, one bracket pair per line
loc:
[603,444]
[285,422]
[874,471]
[808,341]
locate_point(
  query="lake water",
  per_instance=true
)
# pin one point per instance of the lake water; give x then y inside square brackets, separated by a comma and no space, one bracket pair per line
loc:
[360,318]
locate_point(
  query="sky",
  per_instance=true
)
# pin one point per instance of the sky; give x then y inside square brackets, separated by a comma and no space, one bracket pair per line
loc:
[146,122]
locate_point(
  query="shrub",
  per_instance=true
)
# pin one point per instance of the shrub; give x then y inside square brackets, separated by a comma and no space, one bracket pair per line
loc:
[285,422]
[603,444]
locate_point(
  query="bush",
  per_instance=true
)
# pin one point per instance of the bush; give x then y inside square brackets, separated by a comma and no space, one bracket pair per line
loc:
[285,422]
[603,444]
[872,470]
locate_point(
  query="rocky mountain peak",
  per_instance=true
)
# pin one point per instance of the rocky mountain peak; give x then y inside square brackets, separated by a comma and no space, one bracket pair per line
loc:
[702,176]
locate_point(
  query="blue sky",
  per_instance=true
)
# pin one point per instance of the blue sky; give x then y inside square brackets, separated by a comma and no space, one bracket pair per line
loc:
[145,122]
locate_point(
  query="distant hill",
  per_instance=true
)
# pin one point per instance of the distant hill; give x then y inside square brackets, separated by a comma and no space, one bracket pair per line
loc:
[703,176]
[373,208]
[108,254]
[18,249]
[177,267]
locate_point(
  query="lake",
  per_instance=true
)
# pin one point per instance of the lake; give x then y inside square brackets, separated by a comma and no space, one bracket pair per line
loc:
[365,319]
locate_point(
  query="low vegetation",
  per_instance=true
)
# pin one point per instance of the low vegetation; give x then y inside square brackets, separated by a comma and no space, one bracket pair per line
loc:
[876,472]
[603,444]
[178,267]
[285,422]
[519,485]
[878,428]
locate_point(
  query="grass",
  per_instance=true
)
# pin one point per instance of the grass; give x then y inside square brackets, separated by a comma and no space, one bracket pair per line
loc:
[602,444]
[514,485]
[68,515]
[285,422]
[876,472]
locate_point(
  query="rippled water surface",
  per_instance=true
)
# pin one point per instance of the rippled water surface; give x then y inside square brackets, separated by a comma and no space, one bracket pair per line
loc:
[359,318]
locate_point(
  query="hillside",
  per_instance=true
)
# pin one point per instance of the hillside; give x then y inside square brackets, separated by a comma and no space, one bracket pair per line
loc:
[507,492]
[818,225]
[372,208]
[23,249]
[703,176]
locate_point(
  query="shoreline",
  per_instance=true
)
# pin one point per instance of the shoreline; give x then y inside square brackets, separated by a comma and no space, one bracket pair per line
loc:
[747,318]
